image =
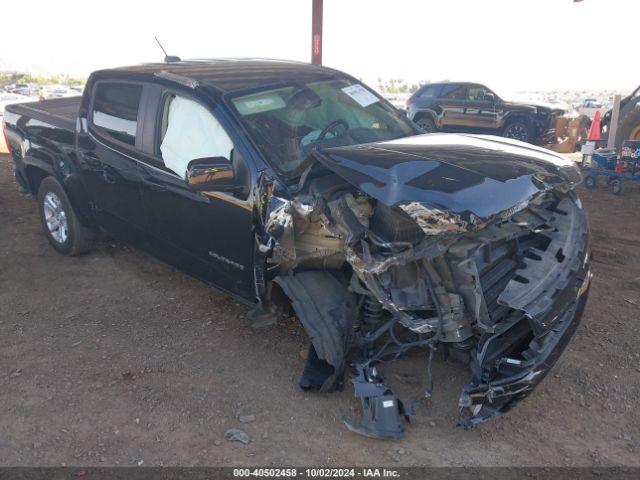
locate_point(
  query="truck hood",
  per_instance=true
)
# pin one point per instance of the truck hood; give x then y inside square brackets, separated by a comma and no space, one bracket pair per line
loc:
[525,107]
[467,179]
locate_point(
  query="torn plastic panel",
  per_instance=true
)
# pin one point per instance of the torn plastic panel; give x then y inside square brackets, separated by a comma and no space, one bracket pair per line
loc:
[326,310]
[545,273]
[517,377]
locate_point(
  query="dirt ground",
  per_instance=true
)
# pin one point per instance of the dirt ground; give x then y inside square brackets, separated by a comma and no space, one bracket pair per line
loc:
[113,358]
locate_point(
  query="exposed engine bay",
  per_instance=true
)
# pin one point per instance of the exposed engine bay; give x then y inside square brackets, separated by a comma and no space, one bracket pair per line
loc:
[376,265]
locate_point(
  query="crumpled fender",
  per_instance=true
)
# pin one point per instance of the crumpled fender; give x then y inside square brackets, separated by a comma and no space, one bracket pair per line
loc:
[326,309]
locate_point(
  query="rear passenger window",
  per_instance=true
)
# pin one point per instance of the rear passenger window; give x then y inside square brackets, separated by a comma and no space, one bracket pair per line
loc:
[115,110]
[454,92]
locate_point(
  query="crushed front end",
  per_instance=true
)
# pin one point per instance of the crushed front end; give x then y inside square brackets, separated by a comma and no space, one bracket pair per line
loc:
[469,246]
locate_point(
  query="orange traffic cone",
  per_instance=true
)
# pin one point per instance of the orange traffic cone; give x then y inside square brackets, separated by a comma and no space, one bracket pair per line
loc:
[594,131]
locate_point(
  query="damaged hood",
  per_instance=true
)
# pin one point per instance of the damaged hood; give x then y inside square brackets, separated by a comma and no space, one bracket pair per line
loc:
[470,177]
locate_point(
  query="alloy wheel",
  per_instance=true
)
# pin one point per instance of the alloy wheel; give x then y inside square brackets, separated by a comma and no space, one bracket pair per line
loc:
[517,132]
[55,217]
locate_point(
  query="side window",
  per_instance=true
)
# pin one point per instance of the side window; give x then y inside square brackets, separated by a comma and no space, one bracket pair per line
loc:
[454,92]
[477,93]
[189,131]
[115,110]
[429,91]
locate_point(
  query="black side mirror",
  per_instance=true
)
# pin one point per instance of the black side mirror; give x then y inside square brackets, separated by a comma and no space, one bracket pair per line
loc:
[489,97]
[214,173]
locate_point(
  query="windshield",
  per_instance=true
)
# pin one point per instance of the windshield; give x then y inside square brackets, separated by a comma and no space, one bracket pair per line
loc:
[287,123]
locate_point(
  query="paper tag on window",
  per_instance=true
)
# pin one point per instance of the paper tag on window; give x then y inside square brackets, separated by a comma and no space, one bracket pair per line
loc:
[361,95]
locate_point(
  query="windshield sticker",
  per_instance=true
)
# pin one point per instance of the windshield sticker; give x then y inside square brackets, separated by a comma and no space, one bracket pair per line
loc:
[361,95]
[258,103]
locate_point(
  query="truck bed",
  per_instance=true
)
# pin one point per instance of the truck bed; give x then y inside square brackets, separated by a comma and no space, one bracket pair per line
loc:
[58,112]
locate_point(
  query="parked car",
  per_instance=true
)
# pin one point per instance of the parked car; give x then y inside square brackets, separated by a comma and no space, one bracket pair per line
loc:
[398,100]
[9,98]
[472,107]
[20,89]
[59,91]
[588,103]
[289,185]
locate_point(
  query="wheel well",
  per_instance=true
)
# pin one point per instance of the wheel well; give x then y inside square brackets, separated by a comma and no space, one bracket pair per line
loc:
[420,115]
[35,176]
[517,118]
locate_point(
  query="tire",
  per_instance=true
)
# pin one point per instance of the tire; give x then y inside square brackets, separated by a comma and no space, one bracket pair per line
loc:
[629,123]
[590,182]
[60,223]
[517,130]
[426,124]
[616,187]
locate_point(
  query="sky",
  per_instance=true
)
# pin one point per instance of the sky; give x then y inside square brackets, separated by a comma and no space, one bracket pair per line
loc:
[510,45]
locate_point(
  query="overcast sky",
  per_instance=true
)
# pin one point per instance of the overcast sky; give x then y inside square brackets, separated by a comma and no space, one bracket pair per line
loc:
[509,44]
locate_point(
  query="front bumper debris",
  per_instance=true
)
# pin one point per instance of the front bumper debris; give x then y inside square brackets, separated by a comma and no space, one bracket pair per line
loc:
[382,411]
[480,402]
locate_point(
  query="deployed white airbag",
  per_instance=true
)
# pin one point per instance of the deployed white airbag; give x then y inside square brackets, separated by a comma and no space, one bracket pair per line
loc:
[192,132]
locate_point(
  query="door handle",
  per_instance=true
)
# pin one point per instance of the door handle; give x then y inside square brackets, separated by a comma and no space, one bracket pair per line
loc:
[155,186]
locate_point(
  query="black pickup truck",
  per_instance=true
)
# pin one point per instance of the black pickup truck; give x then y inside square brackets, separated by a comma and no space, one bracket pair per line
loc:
[295,186]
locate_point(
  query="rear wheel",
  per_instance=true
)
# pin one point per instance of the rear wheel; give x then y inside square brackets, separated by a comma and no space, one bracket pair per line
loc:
[426,124]
[60,223]
[517,130]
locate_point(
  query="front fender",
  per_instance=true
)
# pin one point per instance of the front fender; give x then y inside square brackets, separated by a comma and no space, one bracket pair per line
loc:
[325,308]
[512,116]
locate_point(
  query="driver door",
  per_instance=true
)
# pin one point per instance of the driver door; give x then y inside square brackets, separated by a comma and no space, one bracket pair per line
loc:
[207,234]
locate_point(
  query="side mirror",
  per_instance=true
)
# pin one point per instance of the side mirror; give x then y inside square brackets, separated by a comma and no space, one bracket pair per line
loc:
[489,97]
[214,173]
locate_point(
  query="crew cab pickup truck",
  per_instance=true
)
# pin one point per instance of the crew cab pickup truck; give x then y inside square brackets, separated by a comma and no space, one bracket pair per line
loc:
[295,186]
[473,108]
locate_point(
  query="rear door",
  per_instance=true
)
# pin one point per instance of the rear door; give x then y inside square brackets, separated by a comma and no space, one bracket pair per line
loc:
[109,146]
[207,234]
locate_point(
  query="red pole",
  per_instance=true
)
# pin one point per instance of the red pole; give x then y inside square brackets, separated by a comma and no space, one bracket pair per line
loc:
[316,33]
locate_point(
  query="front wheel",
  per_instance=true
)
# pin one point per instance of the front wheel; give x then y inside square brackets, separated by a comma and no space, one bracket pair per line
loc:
[60,223]
[518,131]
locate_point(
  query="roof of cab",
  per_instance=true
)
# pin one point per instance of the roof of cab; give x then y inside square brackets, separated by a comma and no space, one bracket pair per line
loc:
[231,74]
